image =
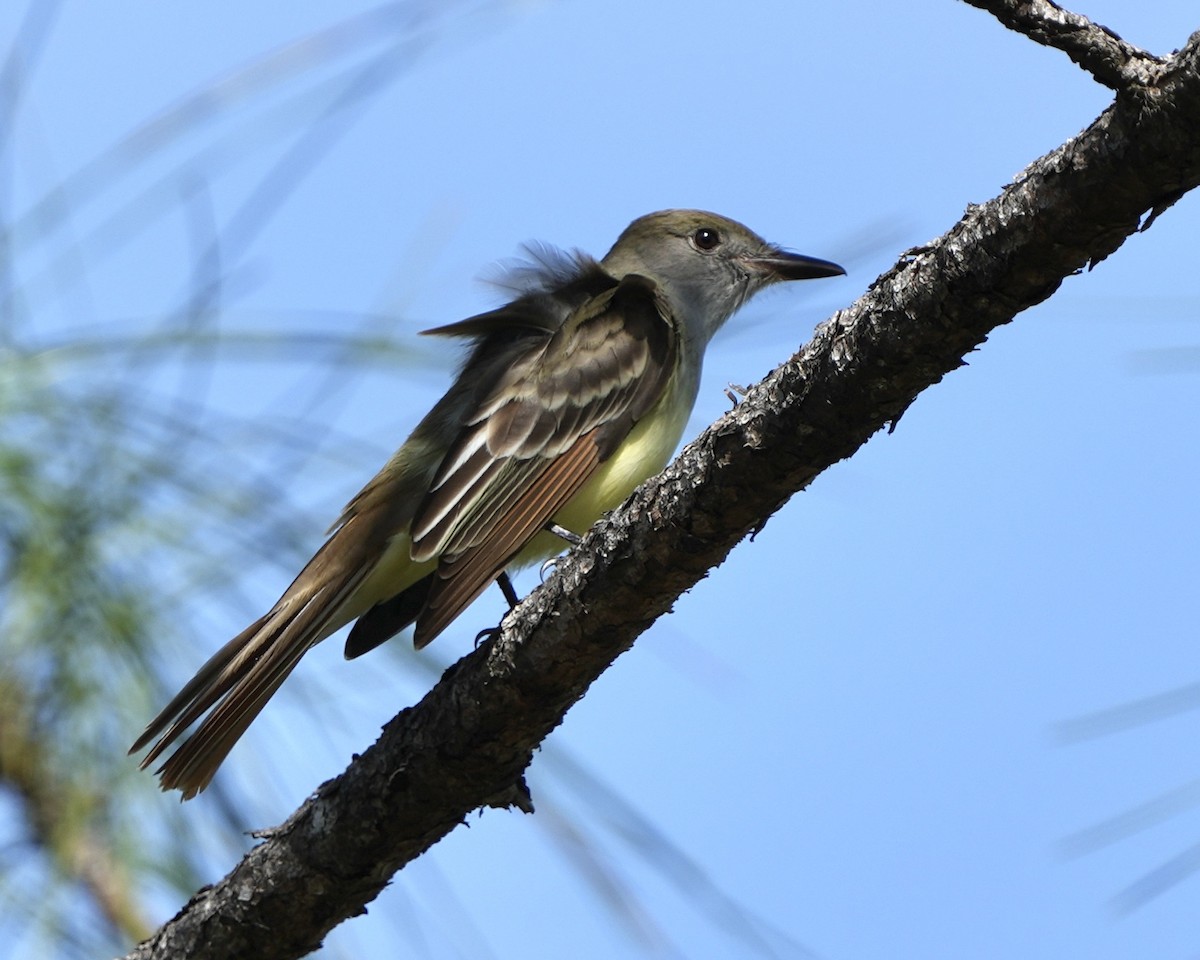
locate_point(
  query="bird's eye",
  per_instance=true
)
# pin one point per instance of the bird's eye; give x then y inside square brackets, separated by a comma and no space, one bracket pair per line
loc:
[706,239]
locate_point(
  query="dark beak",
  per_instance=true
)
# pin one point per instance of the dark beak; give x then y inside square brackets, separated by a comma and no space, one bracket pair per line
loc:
[782,265]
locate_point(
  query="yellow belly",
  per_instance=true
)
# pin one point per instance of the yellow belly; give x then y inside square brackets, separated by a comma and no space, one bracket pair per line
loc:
[644,453]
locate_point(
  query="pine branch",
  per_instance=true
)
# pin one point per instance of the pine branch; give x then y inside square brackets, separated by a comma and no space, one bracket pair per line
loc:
[1109,59]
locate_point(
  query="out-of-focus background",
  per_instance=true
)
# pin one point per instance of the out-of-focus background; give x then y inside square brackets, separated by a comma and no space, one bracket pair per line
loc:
[944,706]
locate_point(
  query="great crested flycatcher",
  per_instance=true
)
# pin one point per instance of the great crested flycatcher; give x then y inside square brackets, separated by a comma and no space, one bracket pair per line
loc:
[571,395]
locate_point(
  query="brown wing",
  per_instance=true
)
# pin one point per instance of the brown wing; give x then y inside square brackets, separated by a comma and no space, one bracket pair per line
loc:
[535,439]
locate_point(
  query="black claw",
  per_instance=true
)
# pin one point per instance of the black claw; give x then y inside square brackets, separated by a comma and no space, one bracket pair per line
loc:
[491,633]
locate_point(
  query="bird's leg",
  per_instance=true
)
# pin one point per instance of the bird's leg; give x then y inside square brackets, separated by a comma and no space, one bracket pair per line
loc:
[563,533]
[506,588]
[510,594]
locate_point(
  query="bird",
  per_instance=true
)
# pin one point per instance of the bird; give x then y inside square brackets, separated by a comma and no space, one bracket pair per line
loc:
[569,397]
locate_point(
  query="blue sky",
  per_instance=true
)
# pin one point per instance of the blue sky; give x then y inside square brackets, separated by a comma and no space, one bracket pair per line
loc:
[853,728]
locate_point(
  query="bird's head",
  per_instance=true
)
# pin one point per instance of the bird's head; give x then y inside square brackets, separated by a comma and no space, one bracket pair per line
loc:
[707,265]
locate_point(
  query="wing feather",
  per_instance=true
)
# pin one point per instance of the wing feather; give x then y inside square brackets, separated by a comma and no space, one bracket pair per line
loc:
[547,425]
[460,579]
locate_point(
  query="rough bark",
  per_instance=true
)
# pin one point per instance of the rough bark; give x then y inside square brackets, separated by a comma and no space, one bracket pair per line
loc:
[468,741]
[1113,62]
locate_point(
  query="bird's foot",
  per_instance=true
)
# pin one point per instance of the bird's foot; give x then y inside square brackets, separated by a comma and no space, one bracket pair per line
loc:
[491,633]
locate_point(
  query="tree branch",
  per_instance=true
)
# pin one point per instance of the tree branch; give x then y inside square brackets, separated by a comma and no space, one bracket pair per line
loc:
[1113,62]
[467,742]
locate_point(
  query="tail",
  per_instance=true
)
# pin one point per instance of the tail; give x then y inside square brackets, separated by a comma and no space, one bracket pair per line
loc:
[235,684]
